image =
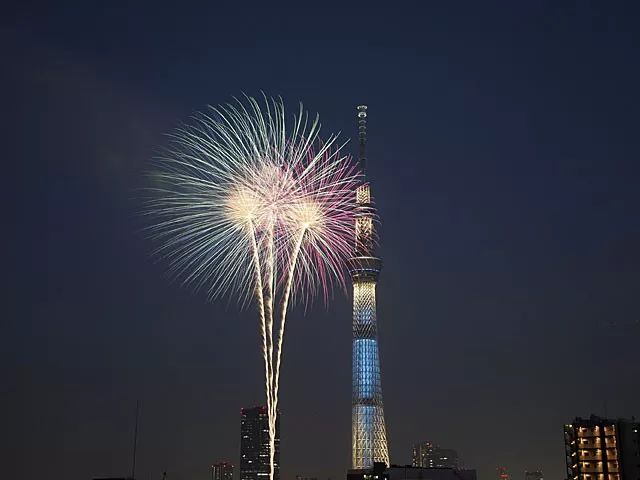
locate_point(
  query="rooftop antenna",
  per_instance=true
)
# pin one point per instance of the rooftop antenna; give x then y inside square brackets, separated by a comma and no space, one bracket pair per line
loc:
[362,137]
[135,441]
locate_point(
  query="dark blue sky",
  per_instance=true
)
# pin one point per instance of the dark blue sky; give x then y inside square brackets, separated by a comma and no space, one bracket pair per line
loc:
[503,154]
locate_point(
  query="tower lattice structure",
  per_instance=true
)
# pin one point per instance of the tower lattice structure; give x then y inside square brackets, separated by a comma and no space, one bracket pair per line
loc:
[369,436]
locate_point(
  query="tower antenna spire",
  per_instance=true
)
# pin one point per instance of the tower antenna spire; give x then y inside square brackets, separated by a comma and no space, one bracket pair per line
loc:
[362,137]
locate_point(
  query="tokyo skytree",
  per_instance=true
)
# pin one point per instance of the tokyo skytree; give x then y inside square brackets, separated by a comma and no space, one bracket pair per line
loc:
[369,436]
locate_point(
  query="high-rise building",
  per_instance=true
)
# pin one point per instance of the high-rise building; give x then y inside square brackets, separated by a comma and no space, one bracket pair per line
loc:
[602,449]
[429,455]
[419,453]
[254,444]
[222,471]
[533,475]
[369,435]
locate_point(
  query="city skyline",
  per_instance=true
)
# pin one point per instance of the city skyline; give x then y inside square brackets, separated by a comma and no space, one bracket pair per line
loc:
[505,175]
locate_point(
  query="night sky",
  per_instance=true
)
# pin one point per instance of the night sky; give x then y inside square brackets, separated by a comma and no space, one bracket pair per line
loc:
[503,154]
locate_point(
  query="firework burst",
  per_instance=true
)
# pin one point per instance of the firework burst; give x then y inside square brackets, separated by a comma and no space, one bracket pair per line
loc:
[249,205]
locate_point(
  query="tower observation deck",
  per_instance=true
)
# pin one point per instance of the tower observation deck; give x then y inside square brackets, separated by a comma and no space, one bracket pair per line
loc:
[369,436]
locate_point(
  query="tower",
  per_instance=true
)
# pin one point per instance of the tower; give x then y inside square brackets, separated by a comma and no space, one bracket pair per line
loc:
[254,444]
[369,436]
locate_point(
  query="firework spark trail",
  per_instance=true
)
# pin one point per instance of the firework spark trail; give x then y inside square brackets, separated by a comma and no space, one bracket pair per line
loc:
[260,298]
[250,205]
[285,304]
